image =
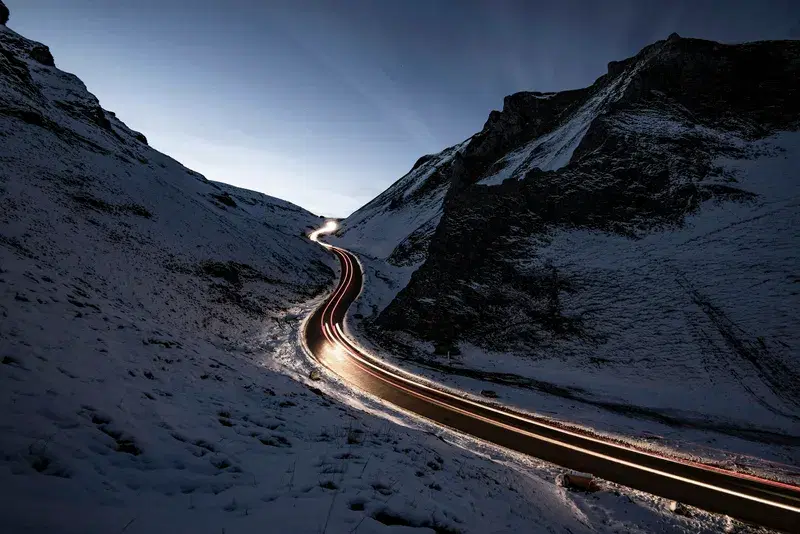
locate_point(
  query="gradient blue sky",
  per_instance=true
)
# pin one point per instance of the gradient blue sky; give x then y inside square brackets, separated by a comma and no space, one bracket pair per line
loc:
[326,103]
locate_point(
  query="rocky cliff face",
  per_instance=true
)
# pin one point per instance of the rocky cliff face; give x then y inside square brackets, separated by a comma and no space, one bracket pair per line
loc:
[626,174]
[664,146]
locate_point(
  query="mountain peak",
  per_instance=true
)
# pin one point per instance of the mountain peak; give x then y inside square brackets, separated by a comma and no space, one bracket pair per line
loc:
[4,13]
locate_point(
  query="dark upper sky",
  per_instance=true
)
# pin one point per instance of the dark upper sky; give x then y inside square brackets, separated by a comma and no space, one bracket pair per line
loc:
[326,103]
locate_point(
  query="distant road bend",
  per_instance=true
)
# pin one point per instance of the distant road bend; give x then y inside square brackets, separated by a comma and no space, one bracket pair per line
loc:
[748,498]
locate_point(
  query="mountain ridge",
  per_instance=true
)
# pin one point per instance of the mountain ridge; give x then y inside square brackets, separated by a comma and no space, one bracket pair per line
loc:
[528,115]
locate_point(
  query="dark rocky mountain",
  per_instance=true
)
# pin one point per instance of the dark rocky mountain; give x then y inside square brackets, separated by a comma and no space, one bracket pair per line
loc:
[643,167]
[617,181]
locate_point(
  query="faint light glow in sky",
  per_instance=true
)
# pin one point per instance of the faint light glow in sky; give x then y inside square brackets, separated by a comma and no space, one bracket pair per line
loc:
[324,103]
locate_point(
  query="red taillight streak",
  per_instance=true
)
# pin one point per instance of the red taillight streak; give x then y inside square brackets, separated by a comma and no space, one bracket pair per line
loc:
[339,290]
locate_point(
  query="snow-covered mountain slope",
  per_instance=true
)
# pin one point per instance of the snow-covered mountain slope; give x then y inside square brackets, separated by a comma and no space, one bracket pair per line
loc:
[85,194]
[397,224]
[535,130]
[631,243]
[148,321]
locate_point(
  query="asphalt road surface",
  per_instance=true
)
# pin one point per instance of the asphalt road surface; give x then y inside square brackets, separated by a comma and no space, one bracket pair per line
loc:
[748,498]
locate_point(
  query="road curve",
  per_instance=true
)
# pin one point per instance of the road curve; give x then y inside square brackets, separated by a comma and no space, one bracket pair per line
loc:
[748,498]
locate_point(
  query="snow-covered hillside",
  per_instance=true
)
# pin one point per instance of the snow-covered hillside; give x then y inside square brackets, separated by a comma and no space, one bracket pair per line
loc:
[85,195]
[397,224]
[628,248]
[151,372]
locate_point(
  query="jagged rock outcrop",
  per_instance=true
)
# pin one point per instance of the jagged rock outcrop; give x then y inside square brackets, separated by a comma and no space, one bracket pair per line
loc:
[525,116]
[36,51]
[413,205]
[41,53]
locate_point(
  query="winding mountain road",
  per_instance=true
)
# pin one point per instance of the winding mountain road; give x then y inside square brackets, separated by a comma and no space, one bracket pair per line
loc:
[748,498]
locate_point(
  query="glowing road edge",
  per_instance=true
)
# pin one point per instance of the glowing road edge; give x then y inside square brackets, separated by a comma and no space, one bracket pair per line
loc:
[337,337]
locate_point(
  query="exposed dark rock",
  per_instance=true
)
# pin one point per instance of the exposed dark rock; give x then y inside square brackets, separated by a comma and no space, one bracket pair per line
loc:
[101,205]
[413,249]
[228,271]
[17,71]
[615,68]
[99,118]
[27,115]
[226,199]
[4,13]
[422,160]
[525,116]
[730,86]
[41,53]
[84,111]
[233,272]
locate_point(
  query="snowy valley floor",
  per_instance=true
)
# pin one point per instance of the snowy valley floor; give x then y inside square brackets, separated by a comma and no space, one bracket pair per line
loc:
[112,424]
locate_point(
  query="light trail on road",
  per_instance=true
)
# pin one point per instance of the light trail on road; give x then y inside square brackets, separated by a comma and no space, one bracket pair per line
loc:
[746,497]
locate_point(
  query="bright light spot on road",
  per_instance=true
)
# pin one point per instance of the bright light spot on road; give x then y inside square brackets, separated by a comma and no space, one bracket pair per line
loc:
[329,228]
[332,354]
